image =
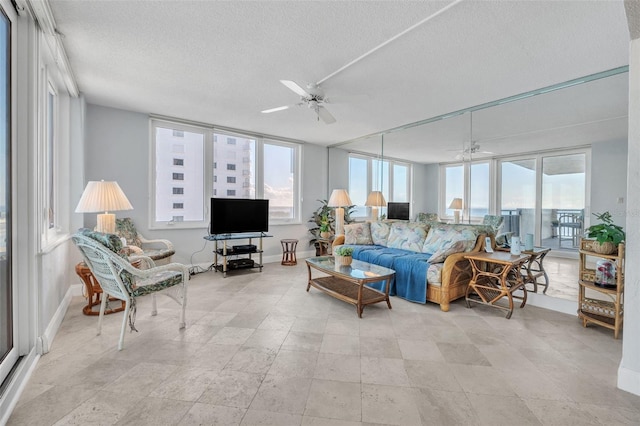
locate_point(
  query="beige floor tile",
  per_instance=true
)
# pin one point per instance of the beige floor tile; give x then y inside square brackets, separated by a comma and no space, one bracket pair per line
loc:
[155,411]
[379,347]
[232,389]
[141,379]
[462,353]
[185,384]
[232,336]
[269,418]
[343,368]
[389,405]
[205,414]
[439,407]
[102,408]
[49,406]
[383,371]
[319,421]
[564,413]
[282,394]
[483,380]
[266,338]
[294,364]
[340,344]
[506,410]
[425,350]
[334,400]
[252,360]
[431,375]
[302,341]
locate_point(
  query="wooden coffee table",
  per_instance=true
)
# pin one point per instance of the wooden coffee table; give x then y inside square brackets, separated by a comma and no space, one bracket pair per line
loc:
[348,283]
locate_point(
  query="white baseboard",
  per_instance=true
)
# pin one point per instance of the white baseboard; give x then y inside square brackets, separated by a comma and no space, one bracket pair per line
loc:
[46,339]
[628,380]
[565,306]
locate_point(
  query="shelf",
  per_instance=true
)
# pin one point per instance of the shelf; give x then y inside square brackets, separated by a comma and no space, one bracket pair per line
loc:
[596,287]
[606,313]
[231,252]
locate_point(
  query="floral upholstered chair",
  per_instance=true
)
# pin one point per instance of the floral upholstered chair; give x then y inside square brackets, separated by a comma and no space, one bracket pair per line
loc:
[160,251]
[495,222]
[118,278]
[427,217]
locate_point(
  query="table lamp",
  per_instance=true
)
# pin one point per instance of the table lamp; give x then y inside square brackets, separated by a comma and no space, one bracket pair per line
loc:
[456,205]
[375,200]
[339,199]
[101,196]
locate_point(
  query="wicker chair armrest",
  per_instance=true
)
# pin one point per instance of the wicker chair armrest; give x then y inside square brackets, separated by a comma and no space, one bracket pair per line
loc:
[146,273]
[156,242]
[338,240]
[140,257]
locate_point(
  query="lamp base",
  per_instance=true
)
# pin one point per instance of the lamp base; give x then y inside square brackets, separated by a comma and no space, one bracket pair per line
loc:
[339,221]
[106,223]
[374,213]
[456,216]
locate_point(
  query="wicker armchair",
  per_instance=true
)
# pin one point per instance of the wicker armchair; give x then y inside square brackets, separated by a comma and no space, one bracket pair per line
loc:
[160,251]
[119,279]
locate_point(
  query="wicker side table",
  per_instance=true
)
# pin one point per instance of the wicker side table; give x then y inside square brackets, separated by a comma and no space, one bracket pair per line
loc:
[94,292]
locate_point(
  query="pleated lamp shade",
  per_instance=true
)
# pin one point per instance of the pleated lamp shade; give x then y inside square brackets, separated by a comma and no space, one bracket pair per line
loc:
[101,196]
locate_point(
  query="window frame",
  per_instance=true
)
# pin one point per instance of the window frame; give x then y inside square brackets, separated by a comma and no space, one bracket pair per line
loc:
[210,163]
[373,180]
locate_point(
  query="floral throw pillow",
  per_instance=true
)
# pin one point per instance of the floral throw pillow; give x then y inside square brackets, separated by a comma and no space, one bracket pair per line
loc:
[357,233]
[380,233]
[459,246]
[407,236]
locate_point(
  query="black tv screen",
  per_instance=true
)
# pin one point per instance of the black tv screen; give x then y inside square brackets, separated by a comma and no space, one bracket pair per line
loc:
[399,211]
[234,215]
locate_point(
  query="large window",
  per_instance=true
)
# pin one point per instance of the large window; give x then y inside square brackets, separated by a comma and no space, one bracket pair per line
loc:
[366,174]
[8,351]
[543,194]
[250,167]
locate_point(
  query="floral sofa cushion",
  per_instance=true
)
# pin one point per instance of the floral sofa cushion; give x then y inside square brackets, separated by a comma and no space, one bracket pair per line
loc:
[407,236]
[441,237]
[380,233]
[434,273]
[459,246]
[358,233]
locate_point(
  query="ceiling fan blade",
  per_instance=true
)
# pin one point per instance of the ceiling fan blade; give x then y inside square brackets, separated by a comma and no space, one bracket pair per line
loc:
[292,85]
[325,115]
[280,108]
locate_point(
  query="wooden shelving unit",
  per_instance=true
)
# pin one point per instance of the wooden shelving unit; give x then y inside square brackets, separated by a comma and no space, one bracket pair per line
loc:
[605,310]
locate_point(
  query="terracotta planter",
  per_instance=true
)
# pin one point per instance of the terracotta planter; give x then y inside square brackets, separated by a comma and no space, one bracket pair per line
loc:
[604,248]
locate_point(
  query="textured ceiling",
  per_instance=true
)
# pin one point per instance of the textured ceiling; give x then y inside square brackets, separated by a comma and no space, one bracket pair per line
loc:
[220,62]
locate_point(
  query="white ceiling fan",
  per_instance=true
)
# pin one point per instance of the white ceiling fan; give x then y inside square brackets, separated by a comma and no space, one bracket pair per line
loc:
[312,97]
[466,152]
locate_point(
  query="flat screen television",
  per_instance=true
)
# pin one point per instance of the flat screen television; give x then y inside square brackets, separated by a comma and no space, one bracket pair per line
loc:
[398,211]
[235,215]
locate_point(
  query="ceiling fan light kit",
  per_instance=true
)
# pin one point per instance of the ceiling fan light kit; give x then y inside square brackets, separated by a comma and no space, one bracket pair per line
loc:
[312,96]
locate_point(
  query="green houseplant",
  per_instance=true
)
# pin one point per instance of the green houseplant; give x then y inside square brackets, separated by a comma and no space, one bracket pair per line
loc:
[607,234]
[343,255]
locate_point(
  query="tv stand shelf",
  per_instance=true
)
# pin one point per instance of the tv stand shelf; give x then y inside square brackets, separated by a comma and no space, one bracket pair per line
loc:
[223,253]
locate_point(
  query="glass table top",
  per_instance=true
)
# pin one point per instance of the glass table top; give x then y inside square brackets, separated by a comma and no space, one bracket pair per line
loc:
[357,270]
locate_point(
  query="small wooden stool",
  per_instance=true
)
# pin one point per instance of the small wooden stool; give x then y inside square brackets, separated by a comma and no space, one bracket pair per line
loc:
[289,252]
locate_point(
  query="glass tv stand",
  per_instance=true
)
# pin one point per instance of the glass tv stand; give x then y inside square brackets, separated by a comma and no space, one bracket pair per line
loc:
[228,257]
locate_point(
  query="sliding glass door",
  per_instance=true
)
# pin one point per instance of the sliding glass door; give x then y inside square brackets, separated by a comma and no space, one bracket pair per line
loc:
[518,196]
[8,353]
[563,200]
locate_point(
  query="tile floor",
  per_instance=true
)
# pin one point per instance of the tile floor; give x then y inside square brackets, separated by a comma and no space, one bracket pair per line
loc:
[259,349]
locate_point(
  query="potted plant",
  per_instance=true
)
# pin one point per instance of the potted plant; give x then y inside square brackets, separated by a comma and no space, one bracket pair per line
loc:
[607,234]
[343,255]
[325,229]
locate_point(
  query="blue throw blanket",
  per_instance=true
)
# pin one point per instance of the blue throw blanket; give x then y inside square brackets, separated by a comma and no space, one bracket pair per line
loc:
[410,281]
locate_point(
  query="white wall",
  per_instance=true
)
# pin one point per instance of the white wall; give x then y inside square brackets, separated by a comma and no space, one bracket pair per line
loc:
[426,178]
[629,371]
[117,148]
[609,180]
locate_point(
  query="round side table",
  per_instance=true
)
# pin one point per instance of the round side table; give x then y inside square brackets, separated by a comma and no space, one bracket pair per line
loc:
[289,252]
[94,292]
